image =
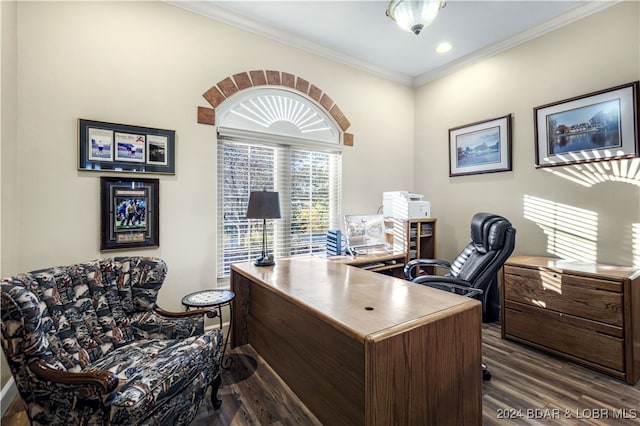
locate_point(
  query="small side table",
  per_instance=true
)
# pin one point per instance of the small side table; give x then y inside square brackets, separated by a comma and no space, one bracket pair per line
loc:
[216,299]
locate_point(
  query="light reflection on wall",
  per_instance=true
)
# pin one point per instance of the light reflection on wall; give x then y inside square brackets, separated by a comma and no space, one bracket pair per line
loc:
[635,242]
[589,174]
[572,233]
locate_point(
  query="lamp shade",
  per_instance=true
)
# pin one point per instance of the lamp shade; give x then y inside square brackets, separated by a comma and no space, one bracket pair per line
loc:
[264,205]
[414,15]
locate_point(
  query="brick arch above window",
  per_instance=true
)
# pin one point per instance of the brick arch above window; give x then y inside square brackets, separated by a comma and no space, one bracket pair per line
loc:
[245,80]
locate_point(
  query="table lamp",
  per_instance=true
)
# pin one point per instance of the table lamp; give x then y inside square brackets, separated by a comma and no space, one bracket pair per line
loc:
[264,205]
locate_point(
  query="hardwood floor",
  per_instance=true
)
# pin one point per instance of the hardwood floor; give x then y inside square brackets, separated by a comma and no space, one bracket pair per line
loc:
[525,380]
[527,388]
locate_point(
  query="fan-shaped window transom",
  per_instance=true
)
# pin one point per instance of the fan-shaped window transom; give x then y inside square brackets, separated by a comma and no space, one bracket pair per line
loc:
[280,112]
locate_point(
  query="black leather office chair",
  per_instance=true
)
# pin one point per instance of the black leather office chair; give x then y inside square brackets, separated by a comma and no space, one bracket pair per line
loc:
[474,272]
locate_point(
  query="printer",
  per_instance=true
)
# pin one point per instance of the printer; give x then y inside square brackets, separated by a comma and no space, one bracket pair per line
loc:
[405,205]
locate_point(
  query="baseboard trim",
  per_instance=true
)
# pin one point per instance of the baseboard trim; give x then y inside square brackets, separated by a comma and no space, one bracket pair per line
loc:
[7,395]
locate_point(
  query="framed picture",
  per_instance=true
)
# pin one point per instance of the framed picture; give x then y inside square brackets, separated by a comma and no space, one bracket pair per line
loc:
[593,127]
[100,144]
[157,149]
[124,148]
[129,213]
[482,147]
[130,147]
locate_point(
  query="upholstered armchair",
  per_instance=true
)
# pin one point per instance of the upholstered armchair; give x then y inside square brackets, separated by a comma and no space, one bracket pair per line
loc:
[87,344]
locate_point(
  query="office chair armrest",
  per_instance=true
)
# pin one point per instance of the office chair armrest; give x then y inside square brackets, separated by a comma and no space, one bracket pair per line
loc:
[448,283]
[410,267]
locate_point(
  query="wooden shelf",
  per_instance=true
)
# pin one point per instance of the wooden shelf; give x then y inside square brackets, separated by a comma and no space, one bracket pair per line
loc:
[375,261]
[416,237]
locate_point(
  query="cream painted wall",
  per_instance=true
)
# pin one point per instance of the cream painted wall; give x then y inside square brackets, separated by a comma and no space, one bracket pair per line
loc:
[148,64]
[8,144]
[592,54]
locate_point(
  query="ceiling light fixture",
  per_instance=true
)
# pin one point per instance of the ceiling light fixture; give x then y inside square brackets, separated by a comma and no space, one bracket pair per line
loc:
[444,47]
[414,15]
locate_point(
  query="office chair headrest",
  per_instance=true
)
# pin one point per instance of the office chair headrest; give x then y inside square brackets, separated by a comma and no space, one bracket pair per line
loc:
[488,231]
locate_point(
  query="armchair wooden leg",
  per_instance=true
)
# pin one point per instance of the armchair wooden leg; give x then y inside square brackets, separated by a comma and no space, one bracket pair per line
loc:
[215,385]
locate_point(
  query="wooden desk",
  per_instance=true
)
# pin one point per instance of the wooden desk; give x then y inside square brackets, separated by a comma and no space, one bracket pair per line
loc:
[361,348]
[376,261]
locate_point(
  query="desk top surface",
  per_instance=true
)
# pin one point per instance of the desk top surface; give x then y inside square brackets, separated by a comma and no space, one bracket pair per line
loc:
[362,303]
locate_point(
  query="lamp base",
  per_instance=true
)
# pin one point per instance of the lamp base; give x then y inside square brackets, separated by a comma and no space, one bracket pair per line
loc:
[265,261]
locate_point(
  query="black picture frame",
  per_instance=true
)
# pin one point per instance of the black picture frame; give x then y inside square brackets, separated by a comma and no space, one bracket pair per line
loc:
[129,213]
[598,126]
[480,147]
[114,147]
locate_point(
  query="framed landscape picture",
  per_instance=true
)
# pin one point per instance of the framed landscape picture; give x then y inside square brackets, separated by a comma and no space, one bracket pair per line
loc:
[593,127]
[482,147]
[113,147]
[129,213]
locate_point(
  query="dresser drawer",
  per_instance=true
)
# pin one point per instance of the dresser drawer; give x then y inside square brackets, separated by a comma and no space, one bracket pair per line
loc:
[586,312]
[564,333]
[596,299]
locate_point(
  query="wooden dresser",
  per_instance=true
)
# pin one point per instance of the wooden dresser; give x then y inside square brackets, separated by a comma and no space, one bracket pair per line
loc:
[587,313]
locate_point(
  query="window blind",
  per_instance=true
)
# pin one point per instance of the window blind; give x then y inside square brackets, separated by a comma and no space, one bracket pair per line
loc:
[309,183]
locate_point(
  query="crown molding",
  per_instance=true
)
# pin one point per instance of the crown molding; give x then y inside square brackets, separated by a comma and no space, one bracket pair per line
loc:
[210,10]
[582,11]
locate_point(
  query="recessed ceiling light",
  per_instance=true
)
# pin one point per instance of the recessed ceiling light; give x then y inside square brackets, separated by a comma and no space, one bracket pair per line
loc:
[444,47]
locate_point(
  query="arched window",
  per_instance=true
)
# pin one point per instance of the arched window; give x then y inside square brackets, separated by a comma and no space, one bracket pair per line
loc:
[279,112]
[276,140]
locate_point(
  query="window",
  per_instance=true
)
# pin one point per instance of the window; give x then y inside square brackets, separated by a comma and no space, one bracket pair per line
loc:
[306,172]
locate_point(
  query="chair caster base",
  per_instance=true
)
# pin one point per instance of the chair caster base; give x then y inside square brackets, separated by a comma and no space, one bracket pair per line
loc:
[486,374]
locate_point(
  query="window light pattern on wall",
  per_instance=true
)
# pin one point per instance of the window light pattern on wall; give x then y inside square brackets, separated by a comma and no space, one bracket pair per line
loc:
[635,237]
[590,174]
[572,233]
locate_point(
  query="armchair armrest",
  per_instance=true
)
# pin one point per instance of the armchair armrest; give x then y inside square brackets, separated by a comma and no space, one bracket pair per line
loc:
[448,283]
[410,267]
[161,324]
[209,312]
[104,380]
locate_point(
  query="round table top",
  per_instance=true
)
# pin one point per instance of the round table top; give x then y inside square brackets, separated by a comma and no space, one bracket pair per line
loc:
[208,298]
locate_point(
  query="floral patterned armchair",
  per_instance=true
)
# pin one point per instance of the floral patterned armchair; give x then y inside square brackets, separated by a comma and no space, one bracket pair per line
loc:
[87,345]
